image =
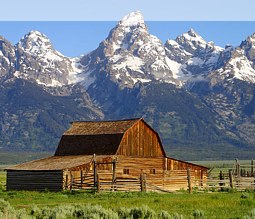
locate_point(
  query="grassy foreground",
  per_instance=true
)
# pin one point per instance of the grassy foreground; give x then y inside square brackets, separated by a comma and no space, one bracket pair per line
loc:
[178,205]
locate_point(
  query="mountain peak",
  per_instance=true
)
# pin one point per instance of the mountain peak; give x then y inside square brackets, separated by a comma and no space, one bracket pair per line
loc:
[193,35]
[192,32]
[191,40]
[35,42]
[34,35]
[132,19]
[251,39]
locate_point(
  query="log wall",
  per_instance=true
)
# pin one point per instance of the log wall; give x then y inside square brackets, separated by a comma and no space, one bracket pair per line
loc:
[34,180]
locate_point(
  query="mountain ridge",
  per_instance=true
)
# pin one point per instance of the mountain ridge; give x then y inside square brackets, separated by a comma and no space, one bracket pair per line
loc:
[197,95]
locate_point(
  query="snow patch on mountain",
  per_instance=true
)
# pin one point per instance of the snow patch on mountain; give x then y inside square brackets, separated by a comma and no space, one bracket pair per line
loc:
[239,67]
[87,79]
[75,75]
[195,61]
[130,62]
[132,19]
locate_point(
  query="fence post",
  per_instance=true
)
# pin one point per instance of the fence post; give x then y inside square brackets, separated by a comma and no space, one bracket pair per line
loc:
[81,180]
[66,184]
[113,174]
[98,183]
[71,183]
[95,170]
[237,168]
[221,184]
[142,180]
[189,181]
[201,178]
[252,170]
[230,178]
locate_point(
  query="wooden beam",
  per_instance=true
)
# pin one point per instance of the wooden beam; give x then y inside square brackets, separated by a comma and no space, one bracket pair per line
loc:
[230,173]
[98,183]
[189,180]
[252,167]
[95,170]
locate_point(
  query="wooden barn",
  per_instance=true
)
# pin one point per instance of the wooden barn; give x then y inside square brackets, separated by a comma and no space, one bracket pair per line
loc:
[123,155]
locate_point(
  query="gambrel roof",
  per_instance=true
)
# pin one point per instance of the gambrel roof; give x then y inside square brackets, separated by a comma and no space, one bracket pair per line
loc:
[88,138]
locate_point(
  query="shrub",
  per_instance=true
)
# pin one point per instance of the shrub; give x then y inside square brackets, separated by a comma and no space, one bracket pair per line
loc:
[164,215]
[82,211]
[198,214]
[143,212]
[245,196]
[7,211]
[94,211]
[124,213]
[251,215]
[177,216]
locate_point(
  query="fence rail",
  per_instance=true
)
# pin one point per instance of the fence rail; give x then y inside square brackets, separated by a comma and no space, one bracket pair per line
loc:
[239,177]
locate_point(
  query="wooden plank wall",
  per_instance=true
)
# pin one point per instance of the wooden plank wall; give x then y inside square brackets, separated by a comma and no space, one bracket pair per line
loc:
[138,165]
[34,180]
[173,164]
[140,140]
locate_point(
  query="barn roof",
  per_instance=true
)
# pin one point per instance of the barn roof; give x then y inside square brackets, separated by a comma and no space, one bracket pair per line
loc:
[54,163]
[100,127]
[88,144]
[87,138]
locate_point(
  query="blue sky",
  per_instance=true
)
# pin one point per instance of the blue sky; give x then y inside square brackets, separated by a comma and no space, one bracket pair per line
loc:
[73,38]
[112,10]
[69,24]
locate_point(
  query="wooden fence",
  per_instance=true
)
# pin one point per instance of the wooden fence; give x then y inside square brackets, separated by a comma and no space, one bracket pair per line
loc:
[169,181]
[239,177]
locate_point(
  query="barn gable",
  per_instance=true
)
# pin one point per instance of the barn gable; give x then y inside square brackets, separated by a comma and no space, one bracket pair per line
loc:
[141,140]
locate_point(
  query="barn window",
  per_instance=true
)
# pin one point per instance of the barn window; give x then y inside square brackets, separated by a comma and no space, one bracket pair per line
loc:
[152,171]
[125,171]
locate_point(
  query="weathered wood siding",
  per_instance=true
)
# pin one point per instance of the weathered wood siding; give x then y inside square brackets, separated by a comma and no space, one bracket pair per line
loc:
[173,164]
[198,172]
[34,180]
[137,165]
[140,140]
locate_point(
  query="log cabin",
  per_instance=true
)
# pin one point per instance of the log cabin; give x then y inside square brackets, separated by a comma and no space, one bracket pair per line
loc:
[122,155]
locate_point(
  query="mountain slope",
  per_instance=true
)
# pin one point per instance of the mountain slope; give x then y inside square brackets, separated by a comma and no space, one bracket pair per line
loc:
[198,96]
[31,119]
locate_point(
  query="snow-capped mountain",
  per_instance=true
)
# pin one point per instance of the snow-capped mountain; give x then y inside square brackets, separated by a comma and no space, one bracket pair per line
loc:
[130,54]
[194,56]
[192,91]
[240,63]
[37,60]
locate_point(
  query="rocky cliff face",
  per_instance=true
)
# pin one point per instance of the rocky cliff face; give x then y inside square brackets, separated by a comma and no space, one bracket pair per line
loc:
[198,96]
[7,58]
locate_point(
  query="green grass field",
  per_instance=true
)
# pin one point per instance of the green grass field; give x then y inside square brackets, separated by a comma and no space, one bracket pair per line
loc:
[212,204]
